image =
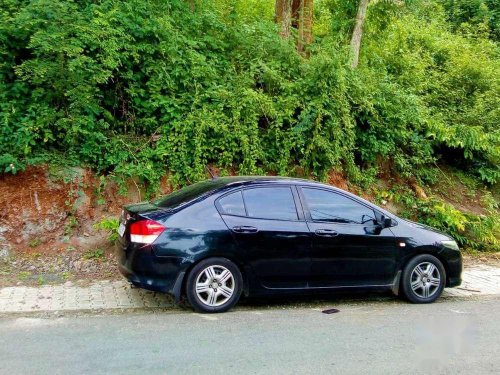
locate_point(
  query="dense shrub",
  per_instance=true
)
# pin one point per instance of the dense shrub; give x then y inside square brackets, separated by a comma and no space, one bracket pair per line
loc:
[451,85]
[141,87]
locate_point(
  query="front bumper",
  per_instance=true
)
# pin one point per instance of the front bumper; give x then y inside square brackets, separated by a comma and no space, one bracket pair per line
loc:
[454,281]
[454,267]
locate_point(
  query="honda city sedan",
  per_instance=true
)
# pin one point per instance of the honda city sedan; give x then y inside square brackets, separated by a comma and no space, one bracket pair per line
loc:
[216,239]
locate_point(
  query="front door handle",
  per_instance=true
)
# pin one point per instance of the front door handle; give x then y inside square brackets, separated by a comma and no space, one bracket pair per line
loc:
[245,229]
[326,232]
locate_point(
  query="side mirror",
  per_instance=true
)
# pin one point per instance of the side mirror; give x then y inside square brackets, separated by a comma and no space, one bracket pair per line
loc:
[384,222]
[387,222]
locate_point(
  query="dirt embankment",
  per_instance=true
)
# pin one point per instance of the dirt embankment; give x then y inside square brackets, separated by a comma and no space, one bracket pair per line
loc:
[42,210]
[47,219]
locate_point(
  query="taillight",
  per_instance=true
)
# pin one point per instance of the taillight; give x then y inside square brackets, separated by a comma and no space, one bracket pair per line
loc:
[145,231]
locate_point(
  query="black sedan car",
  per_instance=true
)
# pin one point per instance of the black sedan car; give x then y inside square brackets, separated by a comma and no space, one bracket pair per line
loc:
[216,239]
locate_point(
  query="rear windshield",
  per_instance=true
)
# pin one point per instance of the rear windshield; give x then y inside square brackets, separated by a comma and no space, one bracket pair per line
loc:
[186,194]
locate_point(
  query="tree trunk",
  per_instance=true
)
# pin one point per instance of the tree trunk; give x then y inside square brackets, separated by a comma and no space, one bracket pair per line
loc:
[296,14]
[358,31]
[283,17]
[296,4]
[305,24]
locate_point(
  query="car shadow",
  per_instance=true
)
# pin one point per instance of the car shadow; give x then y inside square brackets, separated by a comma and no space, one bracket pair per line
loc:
[317,300]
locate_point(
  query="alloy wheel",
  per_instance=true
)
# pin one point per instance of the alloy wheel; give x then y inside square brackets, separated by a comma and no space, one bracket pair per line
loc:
[425,280]
[215,285]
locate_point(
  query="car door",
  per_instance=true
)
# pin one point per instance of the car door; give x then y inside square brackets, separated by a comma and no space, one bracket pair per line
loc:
[349,248]
[271,234]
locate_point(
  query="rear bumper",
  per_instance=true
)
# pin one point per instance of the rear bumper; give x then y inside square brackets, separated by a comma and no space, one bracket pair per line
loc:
[145,281]
[145,270]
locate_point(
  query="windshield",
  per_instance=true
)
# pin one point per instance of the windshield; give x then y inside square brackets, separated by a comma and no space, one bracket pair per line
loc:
[186,194]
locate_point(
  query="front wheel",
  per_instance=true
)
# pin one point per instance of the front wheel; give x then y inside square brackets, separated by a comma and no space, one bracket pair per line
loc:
[214,285]
[423,280]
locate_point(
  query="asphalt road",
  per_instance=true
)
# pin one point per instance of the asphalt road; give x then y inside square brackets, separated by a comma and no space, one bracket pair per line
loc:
[371,337]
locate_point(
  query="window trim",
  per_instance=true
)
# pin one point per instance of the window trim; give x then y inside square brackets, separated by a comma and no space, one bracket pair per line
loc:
[290,187]
[299,208]
[219,208]
[307,211]
[298,203]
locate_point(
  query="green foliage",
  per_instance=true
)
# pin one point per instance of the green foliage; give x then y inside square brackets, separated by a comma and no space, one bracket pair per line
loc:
[24,275]
[448,88]
[96,254]
[474,231]
[110,225]
[479,16]
[34,242]
[71,224]
[140,88]
[443,216]
[477,232]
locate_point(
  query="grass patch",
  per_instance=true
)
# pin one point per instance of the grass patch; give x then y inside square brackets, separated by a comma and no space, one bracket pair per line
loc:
[97,254]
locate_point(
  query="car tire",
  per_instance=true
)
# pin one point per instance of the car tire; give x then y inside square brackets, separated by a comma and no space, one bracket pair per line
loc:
[214,285]
[423,279]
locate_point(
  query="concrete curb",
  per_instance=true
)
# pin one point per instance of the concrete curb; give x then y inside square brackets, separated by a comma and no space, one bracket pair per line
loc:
[119,296]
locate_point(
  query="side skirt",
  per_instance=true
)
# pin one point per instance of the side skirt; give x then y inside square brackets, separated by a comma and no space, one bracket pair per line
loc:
[336,287]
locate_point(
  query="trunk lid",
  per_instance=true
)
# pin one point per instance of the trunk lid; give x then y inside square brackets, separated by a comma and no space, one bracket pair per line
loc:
[134,212]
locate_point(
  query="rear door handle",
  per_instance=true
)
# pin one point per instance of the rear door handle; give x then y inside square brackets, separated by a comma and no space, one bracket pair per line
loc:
[244,229]
[326,232]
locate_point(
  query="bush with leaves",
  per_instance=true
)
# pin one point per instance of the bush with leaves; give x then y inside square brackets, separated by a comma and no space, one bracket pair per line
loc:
[139,88]
[143,88]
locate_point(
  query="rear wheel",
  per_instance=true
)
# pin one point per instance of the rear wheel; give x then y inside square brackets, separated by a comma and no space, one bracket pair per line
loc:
[423,279]
[214,285]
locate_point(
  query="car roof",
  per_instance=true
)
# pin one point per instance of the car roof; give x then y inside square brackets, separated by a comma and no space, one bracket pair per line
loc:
[248,180]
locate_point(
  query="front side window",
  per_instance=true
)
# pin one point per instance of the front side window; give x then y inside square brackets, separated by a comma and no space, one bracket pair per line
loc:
[270,203]
[332,207]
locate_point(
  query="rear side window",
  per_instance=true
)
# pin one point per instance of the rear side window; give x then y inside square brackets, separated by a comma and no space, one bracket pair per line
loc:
[332,207]
[186,194]
[232,204]
[270,203]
